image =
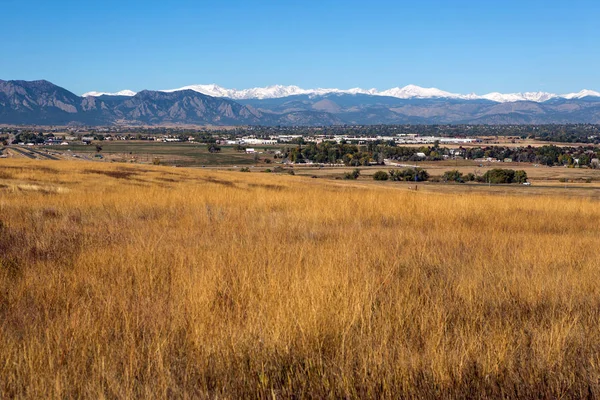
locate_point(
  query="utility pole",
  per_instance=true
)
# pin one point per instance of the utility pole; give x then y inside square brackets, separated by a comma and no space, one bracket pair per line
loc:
[416,172]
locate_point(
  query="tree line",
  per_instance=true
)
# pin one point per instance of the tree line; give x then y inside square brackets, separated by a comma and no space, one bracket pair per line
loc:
[375,153]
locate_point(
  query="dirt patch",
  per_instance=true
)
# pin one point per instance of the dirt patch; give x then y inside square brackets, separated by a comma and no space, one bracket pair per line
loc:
[266,186]
[41,189]
[161,179]
[124,174]
[6,175]
[219,181]
[134,170]
[32,168]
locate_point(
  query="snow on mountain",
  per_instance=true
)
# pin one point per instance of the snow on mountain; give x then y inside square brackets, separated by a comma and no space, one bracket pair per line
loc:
[406,92]
[209,90]
[121,93]
[582,94]
[268,92]
[412,91]
[537,97]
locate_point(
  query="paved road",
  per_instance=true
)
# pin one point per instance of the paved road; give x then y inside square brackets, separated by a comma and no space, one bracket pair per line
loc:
[23,152]
[33,154]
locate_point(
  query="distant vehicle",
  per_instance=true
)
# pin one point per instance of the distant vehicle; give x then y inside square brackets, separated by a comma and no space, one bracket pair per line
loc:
[527,183]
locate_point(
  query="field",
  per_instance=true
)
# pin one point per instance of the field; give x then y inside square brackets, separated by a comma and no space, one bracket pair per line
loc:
[181,154]
[123,281]
[583,180]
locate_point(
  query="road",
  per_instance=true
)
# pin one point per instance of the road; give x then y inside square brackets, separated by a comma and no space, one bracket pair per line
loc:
[33,154]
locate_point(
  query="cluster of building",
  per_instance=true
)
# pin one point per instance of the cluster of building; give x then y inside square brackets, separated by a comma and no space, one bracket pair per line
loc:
[401,139]
[398,139]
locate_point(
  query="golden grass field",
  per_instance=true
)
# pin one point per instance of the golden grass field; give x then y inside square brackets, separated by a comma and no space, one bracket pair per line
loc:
[120,281]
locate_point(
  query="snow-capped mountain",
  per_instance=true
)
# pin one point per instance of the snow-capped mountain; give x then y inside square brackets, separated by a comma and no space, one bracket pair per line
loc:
[406,92]
[413,91]
[43,103]
[121,93]
[581,95]
[269,92]
[538,97]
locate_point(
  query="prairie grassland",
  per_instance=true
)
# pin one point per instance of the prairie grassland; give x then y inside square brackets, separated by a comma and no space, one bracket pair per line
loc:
[122,282]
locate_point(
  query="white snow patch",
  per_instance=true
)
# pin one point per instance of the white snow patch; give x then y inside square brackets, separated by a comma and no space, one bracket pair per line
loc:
[121,93]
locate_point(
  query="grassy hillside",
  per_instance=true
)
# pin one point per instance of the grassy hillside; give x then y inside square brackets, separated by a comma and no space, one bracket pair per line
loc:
[119,281]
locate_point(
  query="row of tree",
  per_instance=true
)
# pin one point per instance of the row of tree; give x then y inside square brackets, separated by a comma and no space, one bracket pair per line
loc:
[406,174]
[375,153]
[496,175]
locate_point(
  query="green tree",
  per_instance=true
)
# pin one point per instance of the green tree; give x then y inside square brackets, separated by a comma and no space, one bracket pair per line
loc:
[520,176]
[213,148]
[380,176]
[453,176]
[499,175]
[352,175]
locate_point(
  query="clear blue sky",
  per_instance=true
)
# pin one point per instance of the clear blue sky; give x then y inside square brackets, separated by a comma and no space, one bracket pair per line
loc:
[455,45]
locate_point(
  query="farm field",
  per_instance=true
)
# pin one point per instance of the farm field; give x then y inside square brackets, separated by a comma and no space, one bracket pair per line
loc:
[181,154]
[121,281]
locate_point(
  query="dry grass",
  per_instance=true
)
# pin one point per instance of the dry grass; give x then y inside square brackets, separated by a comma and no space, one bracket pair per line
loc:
[123,282]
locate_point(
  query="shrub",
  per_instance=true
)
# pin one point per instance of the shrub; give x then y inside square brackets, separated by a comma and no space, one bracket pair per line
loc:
[408,174]
[380,176]
[352,175]
[245,169]
[213,148]
[520,176]
[499,175]
[453,176]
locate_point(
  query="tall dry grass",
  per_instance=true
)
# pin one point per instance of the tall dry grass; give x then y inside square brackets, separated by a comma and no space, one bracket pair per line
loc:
[124,282]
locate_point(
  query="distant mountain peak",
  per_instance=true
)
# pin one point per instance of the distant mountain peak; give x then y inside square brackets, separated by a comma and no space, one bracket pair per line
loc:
[121,93]
[581,94]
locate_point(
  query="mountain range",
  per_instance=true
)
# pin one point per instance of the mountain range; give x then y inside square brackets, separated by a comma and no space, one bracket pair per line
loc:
[43,103]
[406,92]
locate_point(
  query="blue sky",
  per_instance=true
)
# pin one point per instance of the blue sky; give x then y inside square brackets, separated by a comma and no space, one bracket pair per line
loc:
[459,45]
